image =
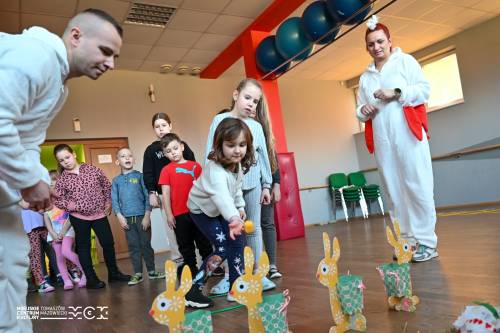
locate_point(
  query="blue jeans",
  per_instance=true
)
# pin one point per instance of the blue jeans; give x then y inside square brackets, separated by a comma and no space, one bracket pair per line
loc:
[216,229]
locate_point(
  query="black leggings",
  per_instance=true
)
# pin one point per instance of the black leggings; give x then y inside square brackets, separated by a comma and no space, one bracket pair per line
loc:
[104,235]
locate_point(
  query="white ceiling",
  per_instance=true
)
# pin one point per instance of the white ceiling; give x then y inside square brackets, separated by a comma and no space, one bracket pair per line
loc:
[201,29]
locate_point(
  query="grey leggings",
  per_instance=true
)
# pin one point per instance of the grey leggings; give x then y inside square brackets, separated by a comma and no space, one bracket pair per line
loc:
[253,211]
[269,231]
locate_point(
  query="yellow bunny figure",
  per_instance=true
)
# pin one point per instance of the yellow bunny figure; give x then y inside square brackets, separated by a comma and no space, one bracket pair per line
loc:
[327,275]
[402,247]
[168,307]
[247,289]
[397,277]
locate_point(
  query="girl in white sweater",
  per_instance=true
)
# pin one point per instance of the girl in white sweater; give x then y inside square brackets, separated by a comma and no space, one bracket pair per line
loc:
[247,98]
[216,202]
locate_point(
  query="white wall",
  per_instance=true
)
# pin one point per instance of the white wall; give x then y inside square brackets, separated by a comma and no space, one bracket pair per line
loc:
[320,122]
[318,117]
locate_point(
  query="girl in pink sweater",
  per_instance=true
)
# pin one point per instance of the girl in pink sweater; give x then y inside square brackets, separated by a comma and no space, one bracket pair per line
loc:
[85,193]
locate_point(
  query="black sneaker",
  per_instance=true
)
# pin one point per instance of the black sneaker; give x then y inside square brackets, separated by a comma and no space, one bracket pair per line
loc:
[95,284]
[219,271]
[31,286]
[196,299]
[118,276]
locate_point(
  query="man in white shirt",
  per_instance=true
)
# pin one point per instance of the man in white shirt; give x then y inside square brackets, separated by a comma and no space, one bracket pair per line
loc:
[34,67]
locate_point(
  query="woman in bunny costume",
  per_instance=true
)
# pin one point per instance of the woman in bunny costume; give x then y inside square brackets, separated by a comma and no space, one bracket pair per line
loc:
[391,97]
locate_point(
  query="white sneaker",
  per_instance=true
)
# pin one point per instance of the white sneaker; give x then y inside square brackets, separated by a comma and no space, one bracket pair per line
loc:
[221,288]
[274,273]
[230,298]
[267,284]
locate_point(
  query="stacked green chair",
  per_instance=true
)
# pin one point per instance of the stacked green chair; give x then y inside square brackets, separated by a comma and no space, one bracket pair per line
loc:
[336,181]
[344,193]
[370,191]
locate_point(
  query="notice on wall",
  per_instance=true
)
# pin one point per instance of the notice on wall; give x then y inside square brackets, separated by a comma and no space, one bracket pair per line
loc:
[105,159]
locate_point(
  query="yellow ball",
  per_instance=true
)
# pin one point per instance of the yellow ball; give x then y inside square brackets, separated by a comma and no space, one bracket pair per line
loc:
[248,226]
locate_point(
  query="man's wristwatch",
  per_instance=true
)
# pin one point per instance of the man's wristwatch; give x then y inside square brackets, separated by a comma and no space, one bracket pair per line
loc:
[397,93]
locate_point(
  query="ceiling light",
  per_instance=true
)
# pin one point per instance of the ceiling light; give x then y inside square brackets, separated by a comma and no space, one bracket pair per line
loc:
[151,15]
[182,69]
[195,71]
[166,68]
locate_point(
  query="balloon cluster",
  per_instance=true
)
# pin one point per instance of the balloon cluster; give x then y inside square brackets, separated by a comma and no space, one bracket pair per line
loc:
[296,36]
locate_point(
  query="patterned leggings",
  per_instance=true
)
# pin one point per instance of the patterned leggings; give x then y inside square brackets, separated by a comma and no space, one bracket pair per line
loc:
[35,237]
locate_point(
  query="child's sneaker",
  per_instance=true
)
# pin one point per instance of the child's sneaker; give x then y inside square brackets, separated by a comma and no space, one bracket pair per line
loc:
[221,288]
[31,286]
[73,275]
[83,281]
[45,288]
[196,299]
[230,298]
[68,285]
[153,275]
[219,271]
[135,279]
[424,253]
[267,284]
[274,273]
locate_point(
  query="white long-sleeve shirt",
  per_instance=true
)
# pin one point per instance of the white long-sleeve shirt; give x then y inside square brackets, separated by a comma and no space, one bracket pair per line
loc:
[217,192]
[33,68]
[259,174]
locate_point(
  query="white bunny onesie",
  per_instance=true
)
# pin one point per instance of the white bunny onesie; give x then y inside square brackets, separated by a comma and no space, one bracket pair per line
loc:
[404,162]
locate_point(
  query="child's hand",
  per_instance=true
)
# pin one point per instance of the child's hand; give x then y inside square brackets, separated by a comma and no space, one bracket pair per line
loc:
[54,236]
[146,223]
[265,198]
[123,222]
[107,208]
[153,200]
[243,215]
[171,221]
[235,227]
[276,193]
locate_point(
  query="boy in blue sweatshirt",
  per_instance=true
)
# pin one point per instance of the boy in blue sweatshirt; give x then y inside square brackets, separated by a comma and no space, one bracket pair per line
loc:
[130,202]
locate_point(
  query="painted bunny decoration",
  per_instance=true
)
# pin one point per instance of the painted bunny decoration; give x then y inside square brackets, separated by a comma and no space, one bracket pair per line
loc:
[327,275]
[247,289]
[168,307]
[396,276]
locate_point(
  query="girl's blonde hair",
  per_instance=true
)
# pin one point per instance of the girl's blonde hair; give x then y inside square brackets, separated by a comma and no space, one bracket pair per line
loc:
[262,116]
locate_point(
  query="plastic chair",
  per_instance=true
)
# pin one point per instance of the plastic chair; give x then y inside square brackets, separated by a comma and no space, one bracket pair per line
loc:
[370,191]
[344,193]
[337,181]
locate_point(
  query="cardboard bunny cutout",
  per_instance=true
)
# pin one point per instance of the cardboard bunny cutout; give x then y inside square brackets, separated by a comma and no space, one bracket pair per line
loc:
[346,292]
[247,289]
[396,276]
[168,307]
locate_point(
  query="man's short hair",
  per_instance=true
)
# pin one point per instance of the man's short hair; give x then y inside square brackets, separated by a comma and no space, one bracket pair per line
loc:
[106,17]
